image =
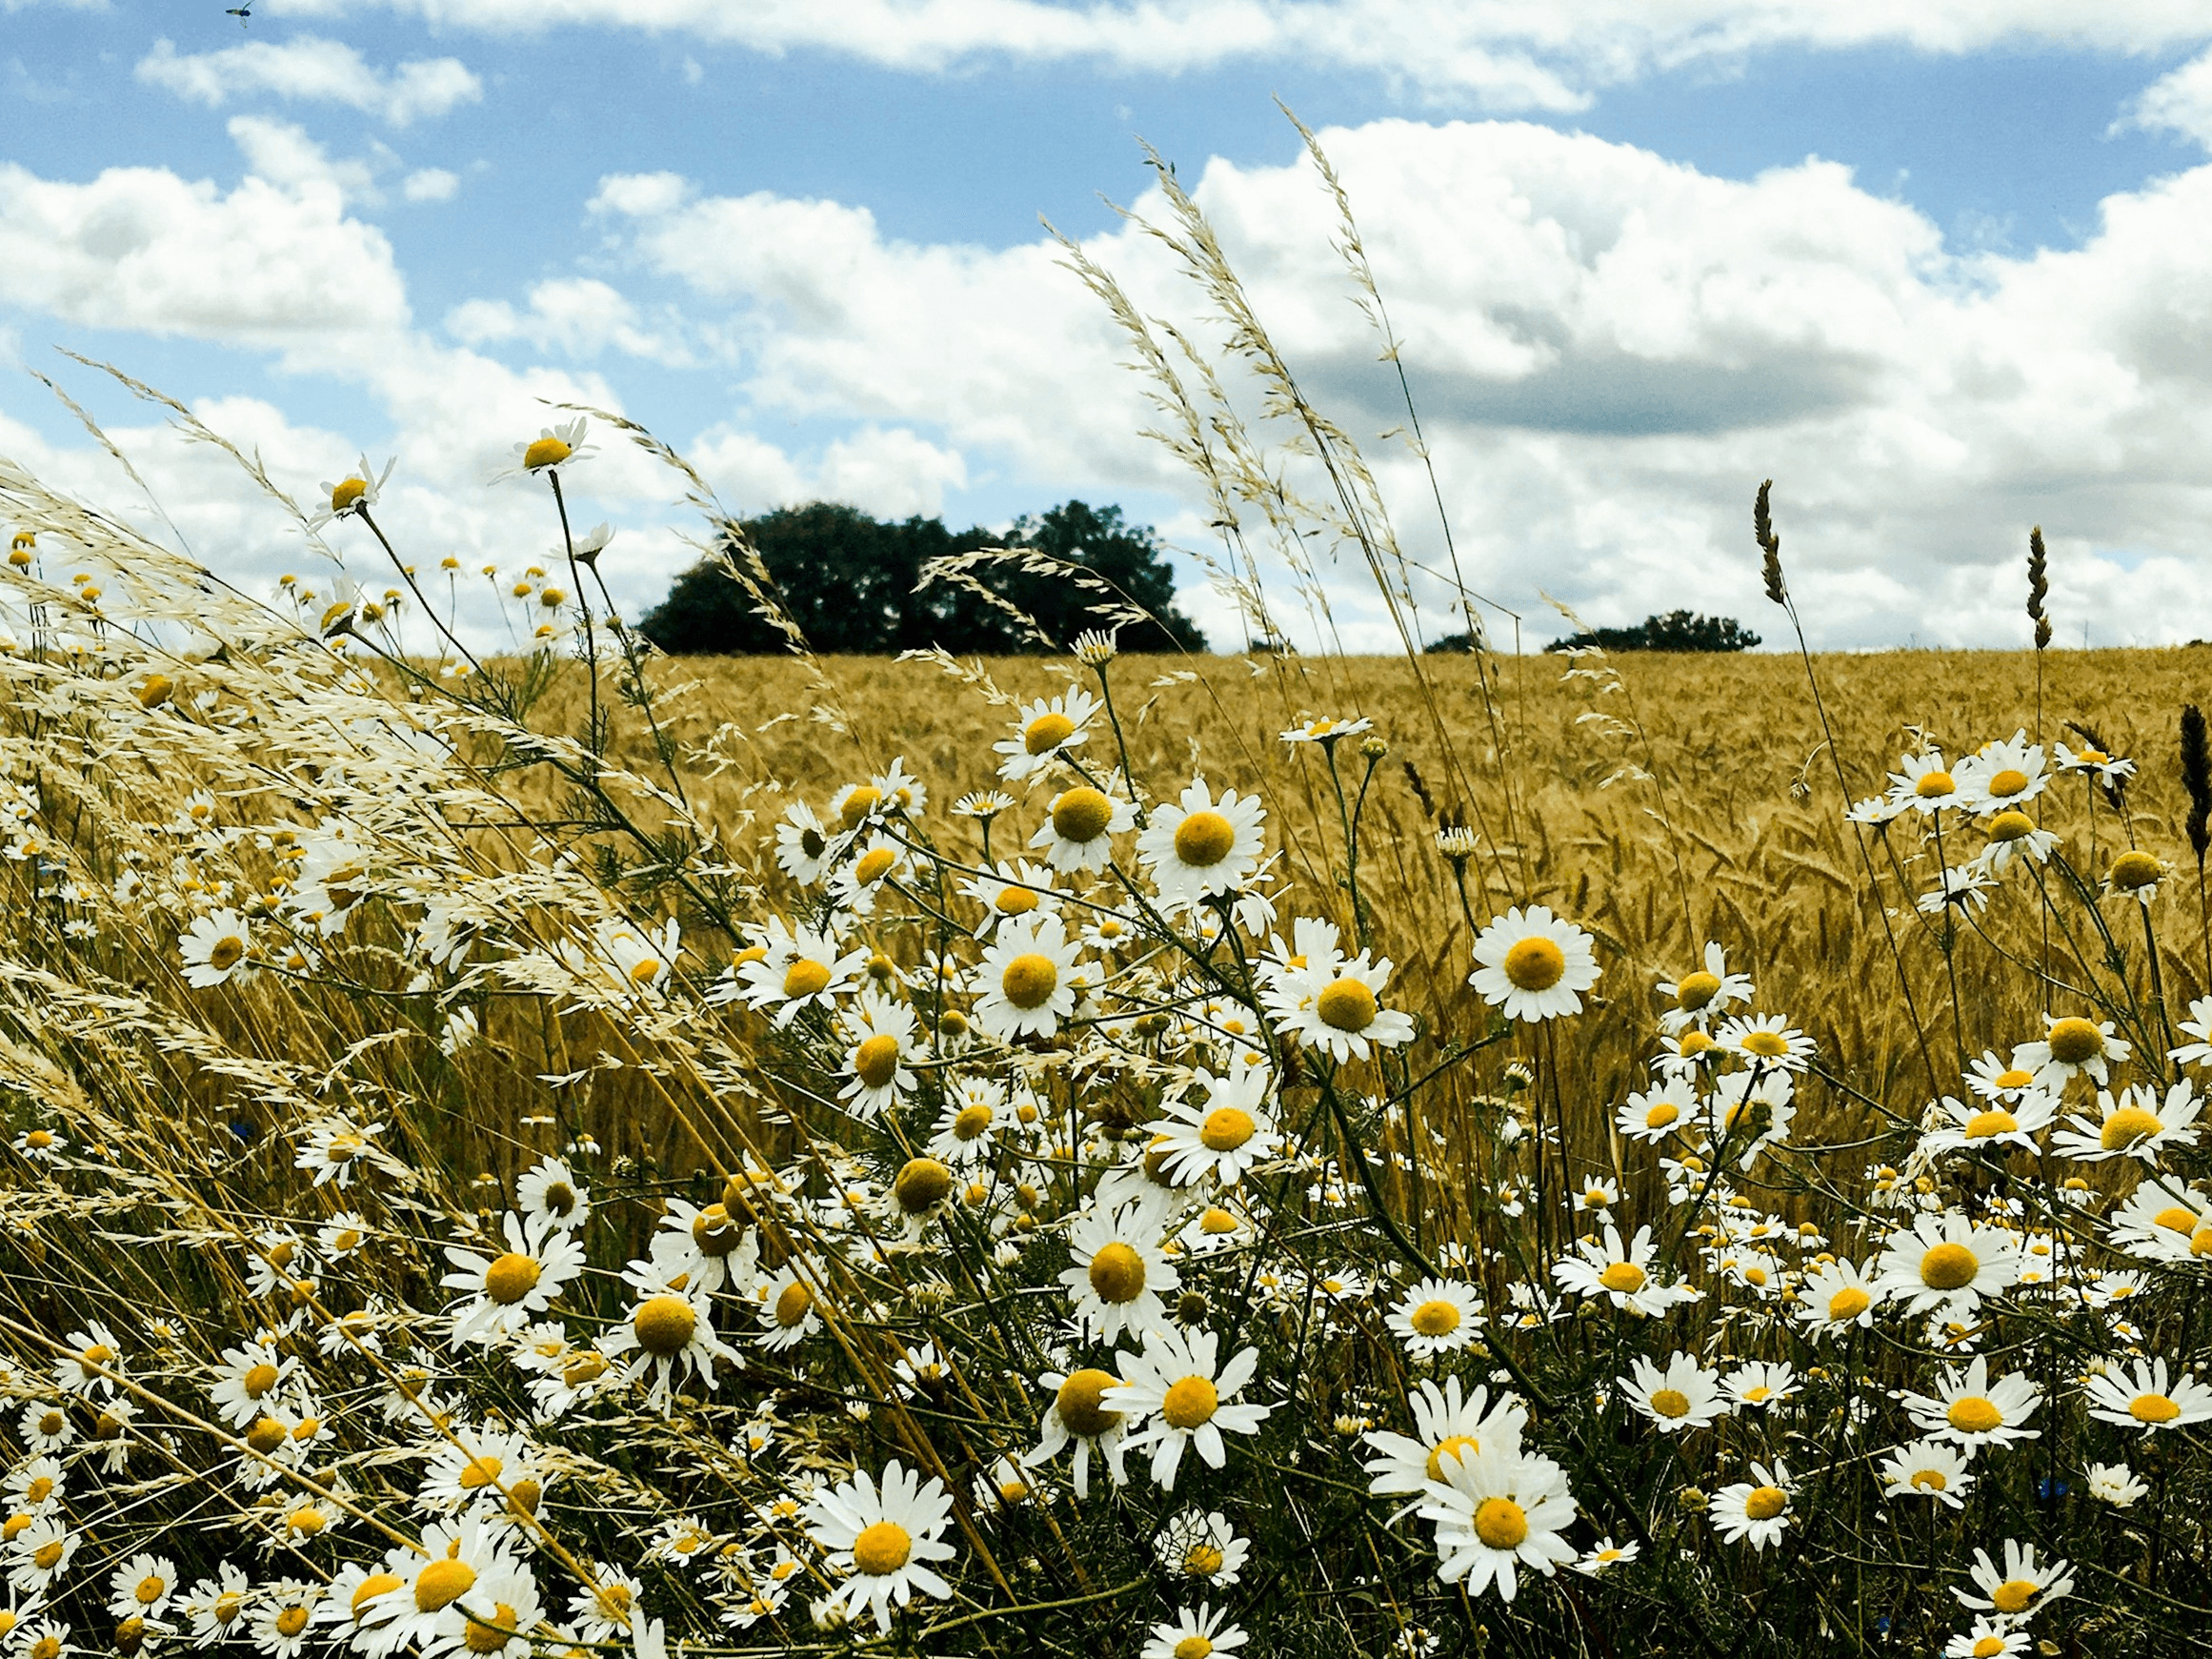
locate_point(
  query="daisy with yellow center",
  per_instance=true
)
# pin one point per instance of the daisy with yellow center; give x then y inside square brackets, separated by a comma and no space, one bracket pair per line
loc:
[1924,783]
[1179,1395]
[2003,777]
[1683,1396]
[1974,1410]
[794,971]
[2146,1396]
[1222,1133]
[1199,847]
[1027,980]
[879,1032]
[885,1536]
[788,1314]
[1496,1510]
[1532,965]
[2072,1047]
[215,947]
[555,449]
[667,1335]
[2163,1220]
[1757,1511]
[503,1291]
[1928,1468]
[1946,1263]
[1119,1280]
[1602,1266]
[354,493]
[1700,998]
[2024,1586]
[1079,828]
[1201,1545]
[1767,1042]
[2136,1122]
[252,1377]
[1193,1634]
[1437,1316]
[1334,1004]
[1016,887]
[2006,1120]
[1988,1639]
[1044,731]
[1079,1416]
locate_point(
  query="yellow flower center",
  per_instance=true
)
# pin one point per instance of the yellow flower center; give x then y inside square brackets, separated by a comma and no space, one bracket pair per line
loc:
[920,1185]
[1116,1274]
[1848,1302]
[45,1555]
[805,978]
[1202,1560]
[2014,1595]
[1536,964]
[714,1232]
[291,1621]
[582,1369]
[1191,1402]
[1974,1414]
[46,1648]
[1949,1267]
[2127,1126]
[1435,1317]
[664,1325]
[259,1380]
[376,1584]
[2074,1040]
[1694,990]
[480,1636]
[39,1489]
[972,1122]
[1081,815]
[876,1063]
[1047,733]
[150,1589]
[227,953]
[1346,1004]
[1765,1503]
[1933,784]
[306,1521]
[882,1548]
[479,1472]
[792,1303]
[346,493]
[2176,1220]
[1500,1523]
[1029,979]
[1988,1648]
[1014,900]
[1929,1481]
[1078,1404]
[265,1435]
[1765,1044]
[546,452]
[859,802]
[1204,839]
[1458,1447]
[154,692]
[1192,1647]
[1670,1402]
[1625,1277]
[2133,870]
[522,1497]
[873,865]
[1693,1043]
[1996,1121]
[1661,1115]
[511,1277]
[2153,1408]
[442,1583]
[1226,1128]
[2008,782]
[2011,825]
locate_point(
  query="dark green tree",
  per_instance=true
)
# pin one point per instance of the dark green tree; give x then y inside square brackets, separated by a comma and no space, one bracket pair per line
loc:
[1675,630]
[851,584]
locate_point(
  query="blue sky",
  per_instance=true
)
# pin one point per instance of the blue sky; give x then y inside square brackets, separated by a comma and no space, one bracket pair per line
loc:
[406,252]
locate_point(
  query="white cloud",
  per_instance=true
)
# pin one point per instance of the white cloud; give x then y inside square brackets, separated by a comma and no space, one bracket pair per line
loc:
[2179,102]
[577,316]
[1610,349]
[431,184]
[1507,53]
[312,69]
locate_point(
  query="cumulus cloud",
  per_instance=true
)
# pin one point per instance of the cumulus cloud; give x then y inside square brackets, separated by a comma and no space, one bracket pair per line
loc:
[431,184]
[2179,102]
[1505,53]
[309,67]
[578,316]
[1610,350]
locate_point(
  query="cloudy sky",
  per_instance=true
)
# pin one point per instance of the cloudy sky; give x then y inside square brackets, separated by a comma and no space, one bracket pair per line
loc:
[1942,270]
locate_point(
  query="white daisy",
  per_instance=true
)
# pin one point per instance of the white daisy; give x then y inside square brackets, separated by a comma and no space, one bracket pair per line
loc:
[1974,1411]
[1605,1266]
[1947,1261]
[1438,1315]
[2023,1588]
[1336,1007]
[1685,1395]
[1192,1636]
[1498,1510]
[1119,1275]
[2143,1396]
[1027,980]
[1201,1545]
[503,1293]
[1045,730]
[549,1195]
[885,1536]
[1178,1398]
[1758,1510]
[667,1334]
[1703,994]
[1532,965]
[215,949]
[2134,1124]
[1197,847]
[1928,1468]
[2071,1046]
[1446,1426]
[1079,828]
[1224,1135]
[880,1031]
[1078,1415]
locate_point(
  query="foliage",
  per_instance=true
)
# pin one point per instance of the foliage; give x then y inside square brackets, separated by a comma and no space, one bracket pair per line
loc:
[860,586]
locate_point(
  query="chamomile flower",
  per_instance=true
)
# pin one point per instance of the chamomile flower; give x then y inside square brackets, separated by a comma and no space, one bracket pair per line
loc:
[1326,731]
[1703,994]
[1192,1636]
[2013,835]
[1987,1639]
[1079,1416]
[1438,1315]
[2143,1396]
[1928,1468]
[1224,1134]
[2002,776]
[1994,1125]
[1947,1261]
[251,1378]
[797,970]
[1758,1511]
[283,1618]
[1923,783]
[1605,1266]
[1971,1409]
[1027,980]
[92,1364]
[1766,1041]
[788,1314]
[1016,888]
[550,1197]
[2134,1124]
[1447,1426]
[2023,1588]
[1685,1395]
[1079,828]
[1045,730]
[879,1032]
[1606,1553]
[1532,965]
[142,1586]
[2116,1484]
[359,488]
[2072,1047]
[804,847]
[1337,1007]
[215,949]
[976,1112]
[1199,847]
[2164,1220]
[483,1468]
[667,1334]
[1181,1397]
[1119,1274]
[1201,1545]
[1657,1114]
[417,1599]
[502,1293]
[495,1620]
[2135,874]
[1499,1510]
[555,449]
[1759,1384]
[885,1536]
